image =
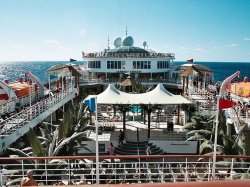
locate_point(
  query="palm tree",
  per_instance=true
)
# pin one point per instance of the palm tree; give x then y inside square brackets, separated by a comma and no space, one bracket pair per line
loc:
[57,140]
[63,139]
[202,129]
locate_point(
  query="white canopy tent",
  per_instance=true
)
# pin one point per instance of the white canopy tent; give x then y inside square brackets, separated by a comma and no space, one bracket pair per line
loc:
[159,95]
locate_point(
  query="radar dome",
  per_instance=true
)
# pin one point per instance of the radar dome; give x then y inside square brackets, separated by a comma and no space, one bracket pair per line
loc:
[128,41]
[118,42]
[144,44]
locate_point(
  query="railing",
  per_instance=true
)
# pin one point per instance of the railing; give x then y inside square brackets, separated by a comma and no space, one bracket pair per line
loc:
[168,134]
[20,119]
[7,107]
[124,169]
[114,80]
[124,55]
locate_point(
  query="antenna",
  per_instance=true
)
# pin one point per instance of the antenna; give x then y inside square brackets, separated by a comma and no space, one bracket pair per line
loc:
[126,30]
[108,42]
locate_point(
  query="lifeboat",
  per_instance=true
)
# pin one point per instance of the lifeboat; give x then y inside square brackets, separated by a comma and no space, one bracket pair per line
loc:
[20,93]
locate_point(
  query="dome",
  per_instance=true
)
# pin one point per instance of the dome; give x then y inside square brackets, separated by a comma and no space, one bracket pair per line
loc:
[118,42]
[128,41]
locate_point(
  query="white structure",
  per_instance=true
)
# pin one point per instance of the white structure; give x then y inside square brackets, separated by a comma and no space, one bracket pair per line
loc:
[146,66]
[159,96]
[20,93]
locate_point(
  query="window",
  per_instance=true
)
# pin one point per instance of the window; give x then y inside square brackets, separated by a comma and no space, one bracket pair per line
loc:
[108,64]
[94,64]
[141,64]
[162,64]
[115,64]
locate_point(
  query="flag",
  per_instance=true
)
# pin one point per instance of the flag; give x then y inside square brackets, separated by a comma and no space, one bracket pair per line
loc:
[190,60]
[224,103]
[207,74]
[53,77]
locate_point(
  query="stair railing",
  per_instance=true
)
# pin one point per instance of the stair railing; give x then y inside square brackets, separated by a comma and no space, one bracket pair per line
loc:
[137,137]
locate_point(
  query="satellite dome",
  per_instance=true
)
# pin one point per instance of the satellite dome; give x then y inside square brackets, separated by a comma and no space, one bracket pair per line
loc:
[118,42]
[128,41]
[144,44]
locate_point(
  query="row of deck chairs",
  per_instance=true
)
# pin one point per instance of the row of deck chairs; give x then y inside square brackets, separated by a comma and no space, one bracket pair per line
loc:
[144,172]
[107,127]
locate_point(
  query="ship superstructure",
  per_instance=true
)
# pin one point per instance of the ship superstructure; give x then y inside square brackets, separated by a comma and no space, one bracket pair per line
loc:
[143,65]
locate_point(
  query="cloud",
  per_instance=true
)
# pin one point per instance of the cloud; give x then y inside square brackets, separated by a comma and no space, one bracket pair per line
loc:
[83,33]
[18,46]
[51,42]
[62,48]
[198,49]
[183,48]
[247,39]
[168,48]
[232,45]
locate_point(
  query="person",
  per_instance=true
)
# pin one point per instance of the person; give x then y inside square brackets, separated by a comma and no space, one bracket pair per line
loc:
[121,139]
[29,180]
[148,150]
[3,175]
[111,149]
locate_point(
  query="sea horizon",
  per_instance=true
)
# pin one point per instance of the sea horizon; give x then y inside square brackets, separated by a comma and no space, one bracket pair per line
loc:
[12,71]
[45,61]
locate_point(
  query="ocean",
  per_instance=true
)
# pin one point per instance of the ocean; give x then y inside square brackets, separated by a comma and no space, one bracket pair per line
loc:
[13,70]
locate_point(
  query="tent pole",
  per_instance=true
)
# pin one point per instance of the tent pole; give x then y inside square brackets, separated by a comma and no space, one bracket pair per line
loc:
[178,114]
[124,118]
[183,85]
[149,112]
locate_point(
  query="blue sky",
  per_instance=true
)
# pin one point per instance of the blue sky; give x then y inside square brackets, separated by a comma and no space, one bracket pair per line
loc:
[206,30]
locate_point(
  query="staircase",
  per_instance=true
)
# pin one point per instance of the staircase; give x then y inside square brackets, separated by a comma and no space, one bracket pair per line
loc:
[130,148]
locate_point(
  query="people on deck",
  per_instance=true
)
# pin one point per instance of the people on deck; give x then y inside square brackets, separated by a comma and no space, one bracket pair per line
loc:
[121,139]
[148,150]
[111,149]
[29,180]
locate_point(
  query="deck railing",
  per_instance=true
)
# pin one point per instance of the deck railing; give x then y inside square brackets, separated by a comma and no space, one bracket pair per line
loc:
[84,81]
[18,120]
[123,169]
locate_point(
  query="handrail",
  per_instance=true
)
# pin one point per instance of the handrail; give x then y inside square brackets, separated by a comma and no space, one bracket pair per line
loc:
[123,169]
[19,119]
[101,157]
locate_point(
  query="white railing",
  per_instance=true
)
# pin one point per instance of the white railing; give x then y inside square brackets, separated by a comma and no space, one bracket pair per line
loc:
[7,107]
[168,134]
[20,119]
[84,81]
[123,169]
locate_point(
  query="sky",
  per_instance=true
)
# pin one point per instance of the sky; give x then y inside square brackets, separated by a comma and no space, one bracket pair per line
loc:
[46,30]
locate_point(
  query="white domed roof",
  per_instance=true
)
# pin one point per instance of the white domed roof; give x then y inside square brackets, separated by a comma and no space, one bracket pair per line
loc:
[128,41]
[118,42]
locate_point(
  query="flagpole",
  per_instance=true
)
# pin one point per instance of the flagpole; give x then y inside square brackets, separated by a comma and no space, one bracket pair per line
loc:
[97,143]
[221,91]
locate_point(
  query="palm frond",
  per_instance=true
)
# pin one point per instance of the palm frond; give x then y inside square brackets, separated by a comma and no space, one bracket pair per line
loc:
[18,152]
[201,131]
[189,125]
[206,145]
[35,143]
[67,141]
